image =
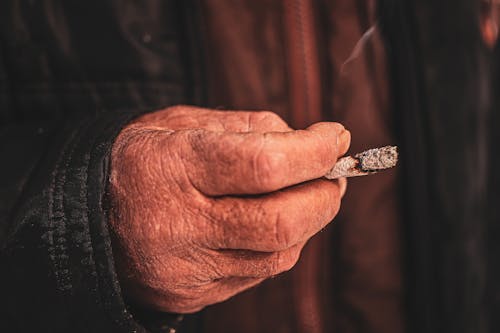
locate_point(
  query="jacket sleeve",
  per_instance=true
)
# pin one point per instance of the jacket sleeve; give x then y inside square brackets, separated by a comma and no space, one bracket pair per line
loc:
[56,263]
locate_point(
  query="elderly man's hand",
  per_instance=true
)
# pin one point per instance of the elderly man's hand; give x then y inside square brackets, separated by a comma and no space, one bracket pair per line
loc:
[206,204]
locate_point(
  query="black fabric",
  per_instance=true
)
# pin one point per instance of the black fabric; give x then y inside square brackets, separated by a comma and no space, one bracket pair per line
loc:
[57,262]
[441,79]
[492,292]
[72,74]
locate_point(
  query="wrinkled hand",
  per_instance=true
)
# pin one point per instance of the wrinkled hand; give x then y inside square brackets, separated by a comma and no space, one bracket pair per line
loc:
[206,204]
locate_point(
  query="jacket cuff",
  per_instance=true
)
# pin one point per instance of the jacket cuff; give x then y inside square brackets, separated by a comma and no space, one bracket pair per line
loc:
[58,272]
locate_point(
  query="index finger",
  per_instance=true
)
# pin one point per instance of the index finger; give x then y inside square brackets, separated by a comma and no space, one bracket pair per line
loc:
[221,163]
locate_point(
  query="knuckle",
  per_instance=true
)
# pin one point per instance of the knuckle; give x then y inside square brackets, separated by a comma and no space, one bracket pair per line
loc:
[270,119]
[268,165]
[179,109]
[282,261]
[174,109]
[327,201]
[200,146]
[268,116]
[129,146]
[285,235]
[288,259]
[174,115]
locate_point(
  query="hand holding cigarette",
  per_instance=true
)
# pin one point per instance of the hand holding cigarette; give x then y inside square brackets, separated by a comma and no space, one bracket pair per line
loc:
[207,203]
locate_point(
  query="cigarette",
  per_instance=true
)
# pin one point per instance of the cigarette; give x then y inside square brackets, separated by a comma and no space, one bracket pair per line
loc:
[365,163]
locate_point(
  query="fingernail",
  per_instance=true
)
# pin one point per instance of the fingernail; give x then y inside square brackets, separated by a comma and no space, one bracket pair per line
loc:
[345,135]
[343,141]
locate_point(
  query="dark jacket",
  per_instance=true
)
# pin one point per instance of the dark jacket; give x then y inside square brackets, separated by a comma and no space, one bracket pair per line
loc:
[71,75]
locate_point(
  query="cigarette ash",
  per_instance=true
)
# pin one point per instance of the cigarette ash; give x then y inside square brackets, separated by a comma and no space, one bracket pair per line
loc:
[365,163]
[378,158]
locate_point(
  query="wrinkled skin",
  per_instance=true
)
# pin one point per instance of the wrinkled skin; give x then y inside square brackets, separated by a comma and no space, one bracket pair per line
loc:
[206,204]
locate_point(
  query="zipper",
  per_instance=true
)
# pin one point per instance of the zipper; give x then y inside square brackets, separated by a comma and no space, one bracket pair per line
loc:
[305,108]
[303,63]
